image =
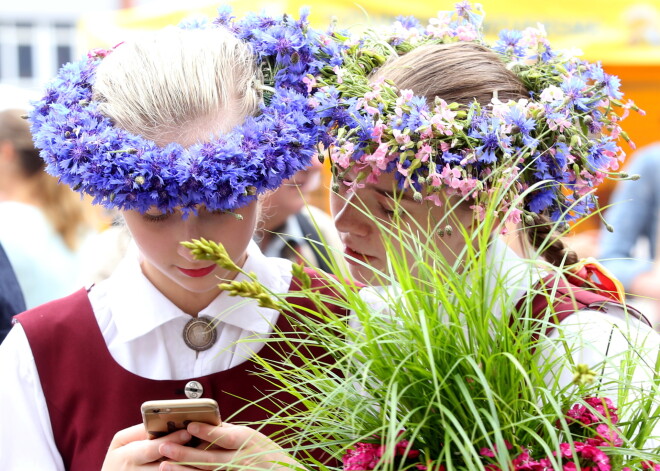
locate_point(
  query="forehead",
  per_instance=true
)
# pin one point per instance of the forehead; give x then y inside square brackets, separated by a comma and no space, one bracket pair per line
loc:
[385,184]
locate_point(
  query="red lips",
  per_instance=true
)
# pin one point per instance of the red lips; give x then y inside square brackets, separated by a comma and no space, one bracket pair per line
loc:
[354,258]
[197,272]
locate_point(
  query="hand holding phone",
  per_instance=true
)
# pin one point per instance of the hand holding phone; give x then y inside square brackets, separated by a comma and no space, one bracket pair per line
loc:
[164,417]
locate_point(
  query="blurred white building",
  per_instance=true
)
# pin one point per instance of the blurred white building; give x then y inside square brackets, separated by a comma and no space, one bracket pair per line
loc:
[38,36]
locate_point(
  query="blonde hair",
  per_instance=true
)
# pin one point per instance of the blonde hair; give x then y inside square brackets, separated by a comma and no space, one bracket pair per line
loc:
[176,81]
[456,72]
[64,209]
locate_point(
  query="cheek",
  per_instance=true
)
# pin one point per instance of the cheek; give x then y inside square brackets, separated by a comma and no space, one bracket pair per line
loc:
[152,238]
[336,203]
[233,233]
[155,243]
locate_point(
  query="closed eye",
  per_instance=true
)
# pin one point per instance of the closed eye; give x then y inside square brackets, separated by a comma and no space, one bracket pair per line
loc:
[156,217]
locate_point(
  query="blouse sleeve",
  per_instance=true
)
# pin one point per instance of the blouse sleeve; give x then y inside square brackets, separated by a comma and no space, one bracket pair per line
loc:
[608,343]
[26,437]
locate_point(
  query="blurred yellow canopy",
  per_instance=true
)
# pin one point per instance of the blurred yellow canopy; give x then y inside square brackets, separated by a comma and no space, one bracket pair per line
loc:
[612,31]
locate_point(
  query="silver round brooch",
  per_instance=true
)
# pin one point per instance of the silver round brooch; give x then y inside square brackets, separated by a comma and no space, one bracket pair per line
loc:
[200,333]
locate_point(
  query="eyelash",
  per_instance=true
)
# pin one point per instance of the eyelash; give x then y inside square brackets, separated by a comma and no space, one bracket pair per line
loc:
[387,210]
[157,218]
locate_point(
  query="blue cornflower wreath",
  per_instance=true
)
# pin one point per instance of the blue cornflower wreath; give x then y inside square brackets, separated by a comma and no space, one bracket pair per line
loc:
[85,150]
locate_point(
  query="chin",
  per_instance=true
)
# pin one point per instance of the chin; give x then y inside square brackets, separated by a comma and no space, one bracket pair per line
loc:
[365,275]
[200,285]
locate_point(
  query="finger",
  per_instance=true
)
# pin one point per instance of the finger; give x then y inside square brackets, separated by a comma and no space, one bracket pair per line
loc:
[199,456]
[167,466]
[229,436]
[128,435]
[148,450]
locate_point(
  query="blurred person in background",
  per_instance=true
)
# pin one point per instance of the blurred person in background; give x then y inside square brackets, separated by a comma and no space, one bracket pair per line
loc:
[102,251]
[293,229]
[630,252]
[11,296]
[43,222]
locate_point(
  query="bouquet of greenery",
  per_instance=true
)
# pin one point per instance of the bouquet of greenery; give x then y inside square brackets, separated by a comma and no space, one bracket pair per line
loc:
[443,367]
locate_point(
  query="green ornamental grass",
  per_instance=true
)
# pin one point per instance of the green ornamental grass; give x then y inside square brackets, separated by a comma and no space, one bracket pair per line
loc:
[439,368]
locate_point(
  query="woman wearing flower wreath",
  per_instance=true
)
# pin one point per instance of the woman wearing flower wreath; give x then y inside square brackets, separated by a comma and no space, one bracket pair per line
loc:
[435,137]
[178,131]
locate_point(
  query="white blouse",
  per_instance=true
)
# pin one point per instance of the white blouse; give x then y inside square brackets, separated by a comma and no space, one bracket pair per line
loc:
[143,332]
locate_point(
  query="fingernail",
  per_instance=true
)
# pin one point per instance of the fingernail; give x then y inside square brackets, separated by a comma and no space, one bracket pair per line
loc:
[193,428]
[185,436]
[165,449]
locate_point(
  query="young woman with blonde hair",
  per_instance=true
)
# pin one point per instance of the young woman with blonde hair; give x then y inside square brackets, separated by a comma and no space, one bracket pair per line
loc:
[180,130]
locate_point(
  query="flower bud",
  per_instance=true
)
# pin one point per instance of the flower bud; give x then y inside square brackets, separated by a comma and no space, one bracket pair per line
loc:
[529,220]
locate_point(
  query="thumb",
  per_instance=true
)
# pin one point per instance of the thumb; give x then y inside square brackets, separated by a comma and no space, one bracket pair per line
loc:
[128,435]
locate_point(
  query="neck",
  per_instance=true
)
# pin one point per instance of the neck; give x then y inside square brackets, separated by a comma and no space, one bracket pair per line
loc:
[193,303]
[189,301]
[516,239]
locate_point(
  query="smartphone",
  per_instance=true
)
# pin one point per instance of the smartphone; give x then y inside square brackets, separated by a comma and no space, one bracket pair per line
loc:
[164,417]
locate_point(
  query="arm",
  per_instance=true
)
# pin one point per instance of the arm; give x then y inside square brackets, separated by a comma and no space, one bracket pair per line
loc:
[23,410]
[608,342]
[11,296]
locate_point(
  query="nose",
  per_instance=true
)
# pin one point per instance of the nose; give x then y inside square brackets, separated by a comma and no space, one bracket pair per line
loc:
[190,229]
[349,215]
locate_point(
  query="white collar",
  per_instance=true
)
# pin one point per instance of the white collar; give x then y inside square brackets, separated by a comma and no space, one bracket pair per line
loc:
[138,307]
[508,269]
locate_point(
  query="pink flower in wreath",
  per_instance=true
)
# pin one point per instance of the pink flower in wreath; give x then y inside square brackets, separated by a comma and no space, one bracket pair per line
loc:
[379,158]
[451,176]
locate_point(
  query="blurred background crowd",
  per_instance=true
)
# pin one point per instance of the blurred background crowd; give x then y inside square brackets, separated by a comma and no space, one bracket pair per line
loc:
[52,241]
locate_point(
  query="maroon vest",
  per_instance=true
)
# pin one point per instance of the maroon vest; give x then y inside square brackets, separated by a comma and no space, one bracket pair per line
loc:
[90,397]
[570,296]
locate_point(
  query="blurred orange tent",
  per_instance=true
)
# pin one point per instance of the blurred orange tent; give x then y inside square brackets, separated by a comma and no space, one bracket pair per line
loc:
[622,34]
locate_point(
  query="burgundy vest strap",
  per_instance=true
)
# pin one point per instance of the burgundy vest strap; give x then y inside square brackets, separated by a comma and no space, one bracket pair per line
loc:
[569,298]
[90,397]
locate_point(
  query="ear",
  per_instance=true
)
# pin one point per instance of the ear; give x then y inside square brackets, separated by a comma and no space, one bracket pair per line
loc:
[7,152]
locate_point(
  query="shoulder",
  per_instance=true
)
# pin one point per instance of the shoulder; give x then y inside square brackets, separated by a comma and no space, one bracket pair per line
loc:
[318,279]
[332,293]
[21,214]
[615,324]
[56,311]
[647,157]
